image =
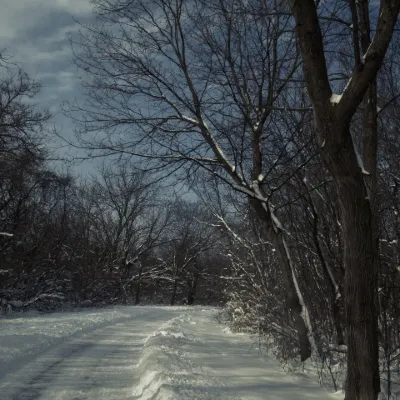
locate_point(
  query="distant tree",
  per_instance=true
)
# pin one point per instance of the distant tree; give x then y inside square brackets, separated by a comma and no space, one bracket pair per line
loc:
[189,237]
[125,220]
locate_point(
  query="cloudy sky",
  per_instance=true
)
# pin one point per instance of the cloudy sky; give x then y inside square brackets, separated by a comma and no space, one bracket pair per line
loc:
[35,34]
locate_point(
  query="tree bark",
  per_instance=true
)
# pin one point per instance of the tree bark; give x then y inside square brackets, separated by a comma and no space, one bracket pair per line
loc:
[190,297]
[296,306]
[336,295]
[192,290]
[138,287]
[173,296]
[360,283]
[332,125]
[370,129]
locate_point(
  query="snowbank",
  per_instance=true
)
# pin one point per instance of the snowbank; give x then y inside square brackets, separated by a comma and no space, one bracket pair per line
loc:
[92,354]
[167,370]
[193,357]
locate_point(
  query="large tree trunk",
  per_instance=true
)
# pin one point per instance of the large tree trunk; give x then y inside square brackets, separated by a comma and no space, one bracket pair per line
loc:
[360,284]
[332,116]
[370,131]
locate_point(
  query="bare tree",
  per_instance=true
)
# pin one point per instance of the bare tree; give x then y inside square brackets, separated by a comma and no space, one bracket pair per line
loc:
[125,222]
[333,115]
[201,85]
[188,237]
[22,125]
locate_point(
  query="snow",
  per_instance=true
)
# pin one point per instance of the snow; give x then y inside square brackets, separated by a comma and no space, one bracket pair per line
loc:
[16,303]
[335,98]
[191,120]
[304,310]
[277,223]
[210,362]
[364,57]
[23,338]
[360,161]
[268,207]
[347,85]
[139,353]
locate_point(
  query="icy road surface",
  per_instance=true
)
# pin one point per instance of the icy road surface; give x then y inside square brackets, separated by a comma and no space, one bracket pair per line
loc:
[138,353]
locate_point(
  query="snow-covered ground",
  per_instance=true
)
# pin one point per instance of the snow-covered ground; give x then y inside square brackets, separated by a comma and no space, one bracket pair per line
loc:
[139,353]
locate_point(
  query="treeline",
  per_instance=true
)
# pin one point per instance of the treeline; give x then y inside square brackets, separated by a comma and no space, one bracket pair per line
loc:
[113,239]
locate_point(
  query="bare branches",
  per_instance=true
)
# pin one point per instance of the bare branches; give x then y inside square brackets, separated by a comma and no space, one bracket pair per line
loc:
[21,125]
[373,57]
[333,115]
[200,89]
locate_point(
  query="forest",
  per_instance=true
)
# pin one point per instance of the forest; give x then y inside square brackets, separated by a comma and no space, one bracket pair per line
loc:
[250,158]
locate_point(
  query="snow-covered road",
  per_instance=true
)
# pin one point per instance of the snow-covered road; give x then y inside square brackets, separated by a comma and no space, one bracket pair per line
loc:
[141,353]
[97,362]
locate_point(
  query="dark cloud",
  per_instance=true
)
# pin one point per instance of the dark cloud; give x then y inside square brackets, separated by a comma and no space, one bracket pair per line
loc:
[35,34]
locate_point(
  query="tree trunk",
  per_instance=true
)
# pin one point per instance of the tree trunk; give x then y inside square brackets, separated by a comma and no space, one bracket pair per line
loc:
[332,119]
[294,302]
[370,156]
[138,285]
[190,298]
[360,284]
[173,297]
[336,306]
[336,295]
[192,290]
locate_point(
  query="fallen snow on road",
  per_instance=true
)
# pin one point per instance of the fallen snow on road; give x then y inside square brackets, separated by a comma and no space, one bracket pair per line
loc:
[139,353]
[24,336]
[193,357]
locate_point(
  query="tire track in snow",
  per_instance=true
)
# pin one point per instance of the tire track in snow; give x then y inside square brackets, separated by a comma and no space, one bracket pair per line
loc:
[95,365]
